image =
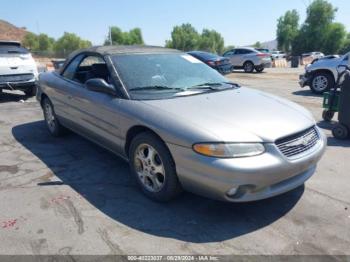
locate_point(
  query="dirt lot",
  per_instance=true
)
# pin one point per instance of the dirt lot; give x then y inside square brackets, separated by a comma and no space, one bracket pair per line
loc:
[68,196]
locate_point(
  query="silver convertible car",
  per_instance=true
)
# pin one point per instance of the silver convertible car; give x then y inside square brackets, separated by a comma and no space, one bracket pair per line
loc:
[182,125]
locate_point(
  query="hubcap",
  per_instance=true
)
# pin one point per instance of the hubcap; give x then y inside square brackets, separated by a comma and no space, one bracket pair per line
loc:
[50,117]
[320,83]
[149,168]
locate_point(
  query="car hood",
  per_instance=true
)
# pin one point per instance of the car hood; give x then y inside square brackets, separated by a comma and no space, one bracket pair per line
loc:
[238,115]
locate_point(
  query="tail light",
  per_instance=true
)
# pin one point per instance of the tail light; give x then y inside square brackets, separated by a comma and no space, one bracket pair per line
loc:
[218,63]
[211,63]
[262,55]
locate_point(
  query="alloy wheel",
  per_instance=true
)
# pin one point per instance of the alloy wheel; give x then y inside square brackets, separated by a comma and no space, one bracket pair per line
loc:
[50,117]
[149,168]
[320,83]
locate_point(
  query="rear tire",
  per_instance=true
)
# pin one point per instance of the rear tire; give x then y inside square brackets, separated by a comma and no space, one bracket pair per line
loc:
[248,67]
[340,132]
[31,91]
[321,82]
[52,123]
[155,172]
[327,115]
[259,69]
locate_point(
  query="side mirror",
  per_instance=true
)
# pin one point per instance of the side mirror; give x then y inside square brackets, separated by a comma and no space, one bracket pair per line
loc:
[100,85]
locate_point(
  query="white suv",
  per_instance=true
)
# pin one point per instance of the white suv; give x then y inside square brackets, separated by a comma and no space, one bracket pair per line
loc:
[18,70]
[248,59]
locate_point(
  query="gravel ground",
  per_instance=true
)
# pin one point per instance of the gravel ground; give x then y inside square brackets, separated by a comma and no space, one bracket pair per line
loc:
[69,196]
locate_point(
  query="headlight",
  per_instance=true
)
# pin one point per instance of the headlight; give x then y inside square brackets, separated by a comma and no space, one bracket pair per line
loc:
[229,150]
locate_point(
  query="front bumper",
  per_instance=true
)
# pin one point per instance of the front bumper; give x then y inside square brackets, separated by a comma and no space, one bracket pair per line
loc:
[304,80]
[20,85]
[255,178]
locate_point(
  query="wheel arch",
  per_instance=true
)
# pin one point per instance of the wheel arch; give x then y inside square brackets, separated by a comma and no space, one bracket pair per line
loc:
[326,71]
[133,132]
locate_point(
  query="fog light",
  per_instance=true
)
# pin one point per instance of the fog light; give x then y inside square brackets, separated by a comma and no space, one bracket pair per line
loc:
[232,191]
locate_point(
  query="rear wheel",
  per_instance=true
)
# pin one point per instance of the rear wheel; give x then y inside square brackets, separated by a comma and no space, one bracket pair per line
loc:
[327,115]
[321,82]
[154,167]
[340,131]
[52,123]
[259,69]
[31,91]
[248,67]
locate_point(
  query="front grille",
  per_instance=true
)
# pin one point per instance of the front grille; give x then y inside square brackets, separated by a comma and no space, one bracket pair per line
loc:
[16,78]
[299,143]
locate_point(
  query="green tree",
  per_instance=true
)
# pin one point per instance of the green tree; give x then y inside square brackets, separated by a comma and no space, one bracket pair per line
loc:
[346,45]
[318,30]
[45,43]
[211,41]
[184,37]
[68,43]
[287,30]
[133,37]
[335,38]
[257,45]
[30,41]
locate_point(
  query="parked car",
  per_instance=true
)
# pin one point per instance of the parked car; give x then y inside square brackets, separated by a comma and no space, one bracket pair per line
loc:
[313,55]
[263,50]
[278,54]
[321,75]
[248,59]
[18,70]
[219,63]
[181,124]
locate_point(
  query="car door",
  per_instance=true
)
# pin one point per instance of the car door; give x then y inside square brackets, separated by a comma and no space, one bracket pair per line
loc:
[96,114]
[236,57]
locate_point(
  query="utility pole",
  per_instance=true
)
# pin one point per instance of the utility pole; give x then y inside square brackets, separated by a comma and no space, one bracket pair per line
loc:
[110,36]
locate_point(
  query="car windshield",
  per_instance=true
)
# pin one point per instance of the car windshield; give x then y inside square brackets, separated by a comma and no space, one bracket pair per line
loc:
[12,49]
[161,76]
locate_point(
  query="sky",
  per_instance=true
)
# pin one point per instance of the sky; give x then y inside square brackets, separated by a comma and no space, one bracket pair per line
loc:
[239,22]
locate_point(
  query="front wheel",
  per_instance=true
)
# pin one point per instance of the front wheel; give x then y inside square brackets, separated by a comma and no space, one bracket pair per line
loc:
[154,167]
[321,82]
[248,67]
[52,123]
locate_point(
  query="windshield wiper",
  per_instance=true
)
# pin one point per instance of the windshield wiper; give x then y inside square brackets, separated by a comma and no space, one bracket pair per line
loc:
[213,86]
[156,87]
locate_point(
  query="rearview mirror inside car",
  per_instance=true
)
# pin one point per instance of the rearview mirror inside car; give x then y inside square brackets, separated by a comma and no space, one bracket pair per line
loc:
[101,86]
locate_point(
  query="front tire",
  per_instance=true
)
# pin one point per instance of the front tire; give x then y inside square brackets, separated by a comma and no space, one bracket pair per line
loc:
[52,123]
[321,82]
[154,168]
[248,67]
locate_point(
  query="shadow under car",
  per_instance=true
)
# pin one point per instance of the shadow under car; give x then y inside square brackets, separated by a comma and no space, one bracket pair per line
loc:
[105,181]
